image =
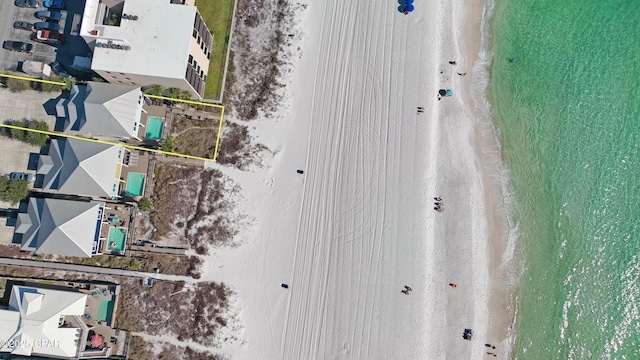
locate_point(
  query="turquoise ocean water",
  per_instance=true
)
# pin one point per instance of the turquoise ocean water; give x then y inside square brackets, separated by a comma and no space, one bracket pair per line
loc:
[569,115]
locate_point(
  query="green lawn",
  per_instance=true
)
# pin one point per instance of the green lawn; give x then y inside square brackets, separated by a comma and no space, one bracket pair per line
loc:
[218,15]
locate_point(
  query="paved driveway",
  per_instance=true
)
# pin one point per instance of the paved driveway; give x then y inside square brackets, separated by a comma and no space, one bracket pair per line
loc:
[30,105]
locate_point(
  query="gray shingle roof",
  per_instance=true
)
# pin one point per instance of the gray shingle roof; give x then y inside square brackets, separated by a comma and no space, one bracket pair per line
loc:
[102,109]
[80,167]
[62,227]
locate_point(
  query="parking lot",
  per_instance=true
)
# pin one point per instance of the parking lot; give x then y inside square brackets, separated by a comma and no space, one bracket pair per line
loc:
[64,54]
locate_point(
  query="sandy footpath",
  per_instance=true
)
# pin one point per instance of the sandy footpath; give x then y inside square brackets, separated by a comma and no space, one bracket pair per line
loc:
[359,225]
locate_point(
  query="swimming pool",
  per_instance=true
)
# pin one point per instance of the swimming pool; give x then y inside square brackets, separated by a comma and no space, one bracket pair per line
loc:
[154,128]
[105,311]
[117,239]
[135,184]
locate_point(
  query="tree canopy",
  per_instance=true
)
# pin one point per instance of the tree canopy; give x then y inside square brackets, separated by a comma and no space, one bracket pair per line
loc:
[13,191]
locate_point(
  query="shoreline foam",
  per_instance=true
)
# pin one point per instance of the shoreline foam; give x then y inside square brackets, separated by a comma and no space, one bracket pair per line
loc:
[501,246]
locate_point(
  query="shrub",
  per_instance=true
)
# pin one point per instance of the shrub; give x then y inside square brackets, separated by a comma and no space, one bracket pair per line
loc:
[33,138]
[17,85]
[13,191]
[45,87]
[180,225]
[176,93]
[155,90]
[68,83]
[144,204]
[169,144]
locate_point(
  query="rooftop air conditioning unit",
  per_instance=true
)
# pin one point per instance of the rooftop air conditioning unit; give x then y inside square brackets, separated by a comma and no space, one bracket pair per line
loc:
[124,16]
[135,17]
[127,47]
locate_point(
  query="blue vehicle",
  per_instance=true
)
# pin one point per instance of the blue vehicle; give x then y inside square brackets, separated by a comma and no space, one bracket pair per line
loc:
[54,4]
[46,26]
[58,69]
[22,176]
[48,15]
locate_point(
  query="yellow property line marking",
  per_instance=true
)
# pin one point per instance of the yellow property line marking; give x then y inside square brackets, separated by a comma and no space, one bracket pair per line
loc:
[51,133]
[215,151]
[32,79]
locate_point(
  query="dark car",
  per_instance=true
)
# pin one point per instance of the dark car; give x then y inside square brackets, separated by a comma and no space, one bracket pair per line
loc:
[27,3]
[17,46]
[58,69]
[21,176]
[23,25]
[48,15]
[43,25]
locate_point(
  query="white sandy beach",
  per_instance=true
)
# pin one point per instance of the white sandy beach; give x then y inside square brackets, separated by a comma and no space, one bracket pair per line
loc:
[359,224]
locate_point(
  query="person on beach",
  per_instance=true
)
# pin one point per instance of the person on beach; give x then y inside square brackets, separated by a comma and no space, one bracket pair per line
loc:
[285,286]
[462,74]
[300,171]
[437,198]
[452,62]
[454,285]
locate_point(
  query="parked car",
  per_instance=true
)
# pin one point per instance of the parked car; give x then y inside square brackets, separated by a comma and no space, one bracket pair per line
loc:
[23,25]
[45,25]
[17,46]
[27,3]
[48,37]
[54,4]
[21,176]
[48,15]
[58,69]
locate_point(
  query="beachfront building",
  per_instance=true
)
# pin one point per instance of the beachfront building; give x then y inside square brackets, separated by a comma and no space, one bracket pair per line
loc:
[101,109]
[42,322]
[149,42]
[61,227]
[81,167]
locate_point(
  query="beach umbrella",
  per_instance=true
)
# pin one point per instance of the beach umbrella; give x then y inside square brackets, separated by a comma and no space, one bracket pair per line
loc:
[96,340]
[442,92]
[408,2]
[409,7]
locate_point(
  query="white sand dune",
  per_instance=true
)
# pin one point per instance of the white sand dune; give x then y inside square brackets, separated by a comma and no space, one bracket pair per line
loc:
[359,224]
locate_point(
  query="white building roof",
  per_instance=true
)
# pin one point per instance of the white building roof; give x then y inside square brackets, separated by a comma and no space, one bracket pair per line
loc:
[159,39]
[81,167]
[102,109]
[33,320]
[62,227]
